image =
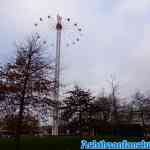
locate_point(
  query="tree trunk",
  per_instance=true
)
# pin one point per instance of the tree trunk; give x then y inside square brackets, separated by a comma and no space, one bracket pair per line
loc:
[142,117]
[21,110]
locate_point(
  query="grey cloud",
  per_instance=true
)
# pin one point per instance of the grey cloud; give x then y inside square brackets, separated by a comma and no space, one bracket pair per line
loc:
[116,38]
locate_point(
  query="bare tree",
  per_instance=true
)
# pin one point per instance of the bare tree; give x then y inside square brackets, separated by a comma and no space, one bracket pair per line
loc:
[142,104]
[30,81]
[114,85]
[102,109]
[77,109]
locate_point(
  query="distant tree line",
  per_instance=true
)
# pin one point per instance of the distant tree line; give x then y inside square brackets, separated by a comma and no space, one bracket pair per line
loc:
[83,113]
[26,94]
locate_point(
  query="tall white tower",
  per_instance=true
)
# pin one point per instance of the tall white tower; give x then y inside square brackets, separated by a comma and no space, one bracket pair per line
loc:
[76,32]
[57,76]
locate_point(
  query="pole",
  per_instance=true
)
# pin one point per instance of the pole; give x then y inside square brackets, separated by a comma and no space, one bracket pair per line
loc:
[57,77]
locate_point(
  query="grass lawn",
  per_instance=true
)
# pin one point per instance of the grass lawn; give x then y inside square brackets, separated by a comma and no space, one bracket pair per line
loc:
[55,143]
[43,143]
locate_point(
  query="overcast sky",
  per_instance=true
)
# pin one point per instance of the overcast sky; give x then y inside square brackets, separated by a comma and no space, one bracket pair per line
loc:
[116,39]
